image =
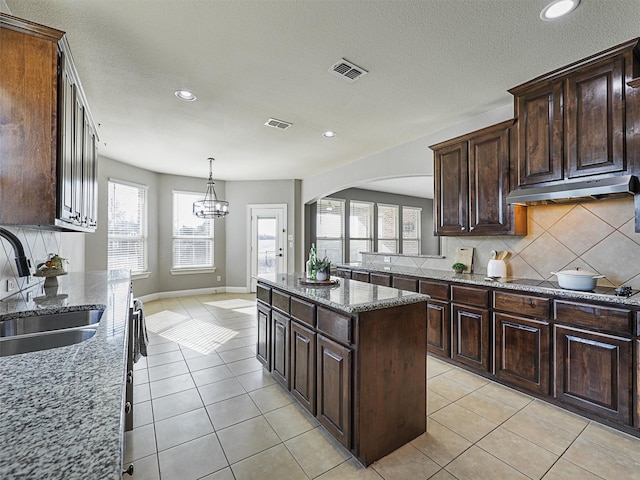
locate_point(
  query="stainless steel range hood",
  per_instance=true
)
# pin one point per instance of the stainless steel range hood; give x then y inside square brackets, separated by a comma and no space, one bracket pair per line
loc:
[611,187]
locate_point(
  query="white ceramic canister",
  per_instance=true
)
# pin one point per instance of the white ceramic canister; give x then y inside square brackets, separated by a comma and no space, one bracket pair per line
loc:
[496,268]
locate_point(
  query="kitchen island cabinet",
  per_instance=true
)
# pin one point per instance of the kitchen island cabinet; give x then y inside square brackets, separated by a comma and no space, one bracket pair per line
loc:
[356,358]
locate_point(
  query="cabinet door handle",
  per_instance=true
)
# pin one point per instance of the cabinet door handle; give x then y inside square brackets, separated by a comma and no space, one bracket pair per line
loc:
[471,228]
[462,228]
[129,376]
[128,471]
[127,407]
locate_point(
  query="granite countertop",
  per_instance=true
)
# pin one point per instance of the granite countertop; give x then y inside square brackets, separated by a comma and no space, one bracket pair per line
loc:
[523,285]
[347,295]
[61,410]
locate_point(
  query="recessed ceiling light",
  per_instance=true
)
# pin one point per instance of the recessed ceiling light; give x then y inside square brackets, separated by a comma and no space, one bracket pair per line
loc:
[186,95]
[329,134]
[558,8]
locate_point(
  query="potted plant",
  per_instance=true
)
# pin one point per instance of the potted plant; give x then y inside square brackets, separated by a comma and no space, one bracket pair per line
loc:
[458,267]
[323,269]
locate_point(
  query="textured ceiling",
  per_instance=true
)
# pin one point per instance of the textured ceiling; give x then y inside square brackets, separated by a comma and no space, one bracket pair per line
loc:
[432,64]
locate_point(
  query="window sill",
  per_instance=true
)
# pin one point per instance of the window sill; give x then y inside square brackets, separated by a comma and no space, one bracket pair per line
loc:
[191,271]
[140,275]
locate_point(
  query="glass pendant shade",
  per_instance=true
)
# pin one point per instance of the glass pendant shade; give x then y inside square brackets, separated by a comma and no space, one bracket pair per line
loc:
[210,206]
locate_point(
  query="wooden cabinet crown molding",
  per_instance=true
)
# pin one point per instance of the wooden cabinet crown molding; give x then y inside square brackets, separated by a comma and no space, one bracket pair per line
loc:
[25,26]
[467,136]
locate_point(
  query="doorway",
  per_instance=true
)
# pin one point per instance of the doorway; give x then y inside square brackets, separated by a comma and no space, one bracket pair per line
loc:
[268,241]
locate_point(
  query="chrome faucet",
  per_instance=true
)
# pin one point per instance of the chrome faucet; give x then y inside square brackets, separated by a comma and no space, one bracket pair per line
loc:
[21,261]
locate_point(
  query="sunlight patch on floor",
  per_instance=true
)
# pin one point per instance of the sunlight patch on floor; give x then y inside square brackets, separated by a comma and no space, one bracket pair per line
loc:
[203,337]
[233,304]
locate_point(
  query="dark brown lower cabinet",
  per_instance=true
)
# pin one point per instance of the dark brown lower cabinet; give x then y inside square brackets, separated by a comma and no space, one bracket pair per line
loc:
[303,366]
[280,342]
[263,347]
[439,328]
[471,336]
[380,279]
[522,352]
[593,372]
[334,389]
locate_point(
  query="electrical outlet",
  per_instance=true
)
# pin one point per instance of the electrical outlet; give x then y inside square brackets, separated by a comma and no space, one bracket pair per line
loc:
[29,296]
[11,285]
[386,259]
[219,278]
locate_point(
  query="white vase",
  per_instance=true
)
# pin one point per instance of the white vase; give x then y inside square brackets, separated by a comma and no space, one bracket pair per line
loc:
[322,276]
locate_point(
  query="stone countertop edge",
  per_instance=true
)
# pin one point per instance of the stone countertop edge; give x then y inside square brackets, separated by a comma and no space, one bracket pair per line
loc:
[62,409]
[348,296]
[473,279]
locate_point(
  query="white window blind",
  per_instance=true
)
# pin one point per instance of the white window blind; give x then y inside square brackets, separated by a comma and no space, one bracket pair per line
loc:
[360,229]
[127,227]
[330,229]
[388,228]
[411,230]
[192,236]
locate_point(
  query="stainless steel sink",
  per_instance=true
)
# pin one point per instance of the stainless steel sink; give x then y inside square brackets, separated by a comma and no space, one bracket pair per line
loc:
[44,341]
[48,322]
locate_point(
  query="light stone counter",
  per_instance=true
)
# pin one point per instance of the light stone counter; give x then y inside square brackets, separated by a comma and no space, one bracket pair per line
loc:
[61,410]
[348,295]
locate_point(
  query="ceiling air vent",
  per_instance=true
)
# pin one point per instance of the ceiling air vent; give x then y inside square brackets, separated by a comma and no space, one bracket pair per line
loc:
[347,70]
[280,124]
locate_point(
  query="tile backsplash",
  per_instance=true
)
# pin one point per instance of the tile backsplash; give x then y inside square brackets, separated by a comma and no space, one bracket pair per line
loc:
[597,236]
[37,245]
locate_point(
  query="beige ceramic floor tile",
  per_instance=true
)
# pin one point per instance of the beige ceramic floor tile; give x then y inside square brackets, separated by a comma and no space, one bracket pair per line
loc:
[521,454]
[448,388]
[290,420]
[436,367]
[255,380]
[476,464]
[244,366]
[613,440]
[141,393]
[466,378]
[350,470]
[543,434]
[182,428]
[464,422]
[146,468]
[168,370]
[142,414]
[406,462]
[218,391]
[442,475]
[506,395]
[274,463]
[564,470]
[176,404]
[435,402]
[168,386]
[139,443]
[211,375]
[229,412]
[247,438]
[224,474]
[271,397]
[317,451]
[560,418]
[602,461]
[236,354]
[487,407]
[192,460]
[440,444]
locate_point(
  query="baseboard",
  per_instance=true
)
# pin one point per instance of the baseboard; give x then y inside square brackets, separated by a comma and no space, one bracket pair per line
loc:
[189,293]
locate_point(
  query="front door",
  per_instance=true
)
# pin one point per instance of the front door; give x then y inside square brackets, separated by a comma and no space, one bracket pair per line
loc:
[268,240]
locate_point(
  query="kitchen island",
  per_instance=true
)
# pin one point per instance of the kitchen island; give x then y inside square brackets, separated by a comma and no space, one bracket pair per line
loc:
[61,410]
[351,353]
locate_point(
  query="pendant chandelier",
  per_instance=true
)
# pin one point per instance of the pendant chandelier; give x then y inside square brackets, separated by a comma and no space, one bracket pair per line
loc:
[210,206]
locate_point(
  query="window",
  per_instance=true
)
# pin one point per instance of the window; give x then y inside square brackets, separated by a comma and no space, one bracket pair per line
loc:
[411,230]
[127,227]
[330,229]
[388,228]
[360,229]
[192,236]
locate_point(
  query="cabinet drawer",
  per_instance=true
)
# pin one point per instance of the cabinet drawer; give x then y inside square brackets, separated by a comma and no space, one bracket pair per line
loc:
[521,304]
[435,289]
[478,297]
[404,283]
[335,325]
[594,316]
[343,273]
[280,301]
[380,279]
[360,276]
[303,311]
[263,293]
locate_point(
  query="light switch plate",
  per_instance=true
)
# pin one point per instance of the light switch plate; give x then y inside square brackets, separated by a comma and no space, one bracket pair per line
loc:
[386,259]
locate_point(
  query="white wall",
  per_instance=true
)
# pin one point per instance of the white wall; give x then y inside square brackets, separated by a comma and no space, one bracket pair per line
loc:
[4,8]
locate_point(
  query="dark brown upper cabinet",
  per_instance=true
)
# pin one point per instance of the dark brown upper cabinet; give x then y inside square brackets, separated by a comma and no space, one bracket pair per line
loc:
[472,179]
[579,121]
[48,140]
